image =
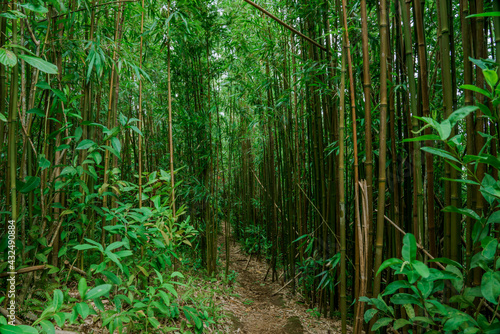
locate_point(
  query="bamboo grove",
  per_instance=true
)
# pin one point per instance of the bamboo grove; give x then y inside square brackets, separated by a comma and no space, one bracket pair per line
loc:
[298,127]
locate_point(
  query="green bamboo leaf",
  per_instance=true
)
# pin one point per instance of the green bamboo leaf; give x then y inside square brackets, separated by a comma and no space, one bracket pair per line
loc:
[40,64]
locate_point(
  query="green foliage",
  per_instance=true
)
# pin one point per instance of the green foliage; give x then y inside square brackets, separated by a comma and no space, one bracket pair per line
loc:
[423,286]
[422,295]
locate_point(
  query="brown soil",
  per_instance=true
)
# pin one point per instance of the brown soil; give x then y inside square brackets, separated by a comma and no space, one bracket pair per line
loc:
[252,307]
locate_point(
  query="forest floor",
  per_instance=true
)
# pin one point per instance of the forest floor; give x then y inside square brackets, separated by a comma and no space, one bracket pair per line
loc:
[254,308]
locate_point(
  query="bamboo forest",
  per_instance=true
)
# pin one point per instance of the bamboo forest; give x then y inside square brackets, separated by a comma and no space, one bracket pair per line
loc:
[249,166]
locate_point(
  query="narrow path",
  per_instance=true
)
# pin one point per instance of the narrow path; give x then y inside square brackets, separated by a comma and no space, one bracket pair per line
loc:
[254,310]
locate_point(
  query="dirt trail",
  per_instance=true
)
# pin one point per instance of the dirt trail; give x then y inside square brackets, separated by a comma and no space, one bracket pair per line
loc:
[254,310]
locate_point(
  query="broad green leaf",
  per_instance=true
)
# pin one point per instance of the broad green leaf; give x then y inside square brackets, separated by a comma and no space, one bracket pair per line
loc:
[422,138]
[477,90]
[490,286]
[3,118]
[369,314]
[32,182]
[395,286]
[484,109]
[155,323]
[26,329]
[491,78]
[113,257]
[425,287]
[460,114]
[409,251]
[421,268]
[404,298]
[9,329]
[460,181]
[485,14]
[115,142]
[82,309]
[60,318]
[85,144]
[115,245]
[58,299]
[439,152]
[112,150]
[445,129]
[447,261]
[388,263]
[43,163]
[85,247]
[112,277]
[466,212]
[494,218]
[98,291]
[37,111]
[424,320]
[7,58]
[457,283]
[164,296]
[13,15]
[40,64]
[48,327]
[68,170]
[136,129]
[382,322]
[490,246]
[400,323]
[35,8]
[454,322]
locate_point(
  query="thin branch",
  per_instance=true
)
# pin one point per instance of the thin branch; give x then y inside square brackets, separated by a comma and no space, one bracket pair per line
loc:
[310,40]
